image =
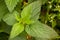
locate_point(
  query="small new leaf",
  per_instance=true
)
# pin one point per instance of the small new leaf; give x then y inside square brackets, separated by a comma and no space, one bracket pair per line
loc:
[16,30]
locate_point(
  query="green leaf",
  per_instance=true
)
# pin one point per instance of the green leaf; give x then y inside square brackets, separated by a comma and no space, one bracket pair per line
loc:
[58,16]
[30,1]
[16,30]
[3,9]
[21,36]
[40,30]
[26,12]
[9,18]
[31,11]
[4,27]
[41,1]
[17,16]
[11,4]
[28,22]
[41,39]
[36,7]
[54,23]
[7,29]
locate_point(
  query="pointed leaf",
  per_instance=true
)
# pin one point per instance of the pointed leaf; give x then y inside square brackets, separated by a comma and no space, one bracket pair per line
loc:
[40,30]
[26,12]
[31,11]
[16,30]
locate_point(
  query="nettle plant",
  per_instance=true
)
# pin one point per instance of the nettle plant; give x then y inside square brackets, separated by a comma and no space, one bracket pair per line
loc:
[20,20]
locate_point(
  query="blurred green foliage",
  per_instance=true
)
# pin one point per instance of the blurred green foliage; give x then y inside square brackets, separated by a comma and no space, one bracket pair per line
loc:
[49,14]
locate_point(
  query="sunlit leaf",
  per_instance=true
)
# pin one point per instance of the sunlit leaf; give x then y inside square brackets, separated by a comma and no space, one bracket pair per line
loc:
[16,30]
[31,11]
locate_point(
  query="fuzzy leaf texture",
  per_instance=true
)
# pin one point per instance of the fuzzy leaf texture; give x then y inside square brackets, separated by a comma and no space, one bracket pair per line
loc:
[40,30]
[11,4]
